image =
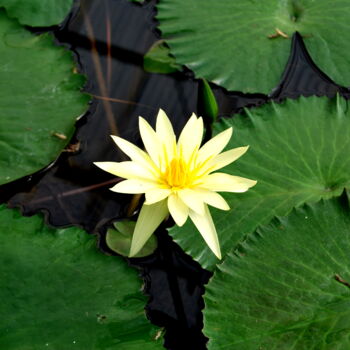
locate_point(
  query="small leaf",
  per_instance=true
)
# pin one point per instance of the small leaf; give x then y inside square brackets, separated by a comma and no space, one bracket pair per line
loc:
[208,106]
[287,287]
[119,239]
[159,60]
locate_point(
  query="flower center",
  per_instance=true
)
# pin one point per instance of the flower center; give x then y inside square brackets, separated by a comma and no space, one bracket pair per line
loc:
[177,174]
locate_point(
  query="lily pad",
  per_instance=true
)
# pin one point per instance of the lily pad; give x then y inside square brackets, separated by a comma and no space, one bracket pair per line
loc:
[39,98]
[244,45]
[287,287]
[59,292]
[37,13]
[299,152]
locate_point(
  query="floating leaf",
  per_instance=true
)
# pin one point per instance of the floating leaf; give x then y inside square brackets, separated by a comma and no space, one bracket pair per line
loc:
[287,287]
[58,292]
[159,60]
[37,13]
[119,239]
[39,96]
[244,45]
[299,151]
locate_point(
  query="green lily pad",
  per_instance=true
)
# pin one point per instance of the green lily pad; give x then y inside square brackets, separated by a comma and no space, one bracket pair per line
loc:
[59,292]
[37,13]
[229,42]
[299,152]
[287,287]
[39,96]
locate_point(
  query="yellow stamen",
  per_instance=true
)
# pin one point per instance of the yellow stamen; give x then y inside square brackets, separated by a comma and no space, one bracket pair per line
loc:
[177,174]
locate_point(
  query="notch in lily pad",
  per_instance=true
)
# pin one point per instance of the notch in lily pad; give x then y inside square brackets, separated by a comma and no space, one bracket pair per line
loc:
[159,60]
[119,238]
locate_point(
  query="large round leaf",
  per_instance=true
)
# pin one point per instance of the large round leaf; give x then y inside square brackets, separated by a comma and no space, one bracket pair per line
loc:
[39,96]
[287,287]
[228,41]
[37,13]
[58,292]
[299,151]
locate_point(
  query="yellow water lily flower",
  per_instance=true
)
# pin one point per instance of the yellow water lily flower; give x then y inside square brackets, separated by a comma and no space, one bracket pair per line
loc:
[177,177]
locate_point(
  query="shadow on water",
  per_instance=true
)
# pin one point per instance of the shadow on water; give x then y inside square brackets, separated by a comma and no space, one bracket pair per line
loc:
[109,39]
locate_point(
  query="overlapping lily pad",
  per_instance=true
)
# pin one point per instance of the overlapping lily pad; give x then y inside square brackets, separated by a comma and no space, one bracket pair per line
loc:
[288,285]
[39,97]
[244,45]
[299,152]
[37,13]
[59,292]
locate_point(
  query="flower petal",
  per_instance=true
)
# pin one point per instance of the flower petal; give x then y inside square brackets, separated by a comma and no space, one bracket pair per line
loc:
[191,137]
[135,153]
[133,186]
[205,226]
[157,194]
[212,198]
[214,146]
[149,219]
[226,183]
[192,199]
[165,133]
[178,209]
[128,170]
[150,140]
[223,159]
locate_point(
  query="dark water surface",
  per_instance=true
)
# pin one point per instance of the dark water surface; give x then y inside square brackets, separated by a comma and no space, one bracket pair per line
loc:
[109,39]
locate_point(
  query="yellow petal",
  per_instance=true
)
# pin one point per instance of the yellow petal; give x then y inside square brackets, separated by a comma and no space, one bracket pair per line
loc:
[178,209]
[205,226]
[166,134]
[128,170]
[135,153]
[149,219]
[212,198]
[226,183]
[191,137]
[150,140]
[156,195]
[215,145]
[223,159]
[192,199]
[133,186]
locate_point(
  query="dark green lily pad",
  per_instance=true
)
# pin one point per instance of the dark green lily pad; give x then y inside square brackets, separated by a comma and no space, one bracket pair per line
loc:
[236,43]
[287,287]
[39,97]
[59,292]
